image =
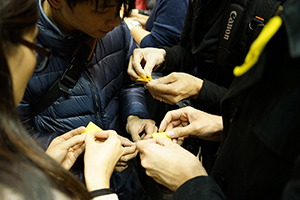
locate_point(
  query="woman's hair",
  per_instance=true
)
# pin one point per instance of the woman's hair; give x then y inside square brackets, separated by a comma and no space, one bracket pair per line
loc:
[16,18]
[128,4]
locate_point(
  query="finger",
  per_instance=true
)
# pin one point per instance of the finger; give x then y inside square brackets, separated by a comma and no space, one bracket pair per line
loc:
[163,141]
[132,70]
[148,136]
[129,150]
[150,127]
[73,132]
[72,142]
[140,145]
[135,137]
[179,132]
[169,117]
[79,151]
[101,134]
[149,65]
[120,168]
[137,59]
[126,142]
[121,163]
[128,157]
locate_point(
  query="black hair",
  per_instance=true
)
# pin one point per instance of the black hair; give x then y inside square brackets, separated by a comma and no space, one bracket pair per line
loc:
[17,17]
[127,4]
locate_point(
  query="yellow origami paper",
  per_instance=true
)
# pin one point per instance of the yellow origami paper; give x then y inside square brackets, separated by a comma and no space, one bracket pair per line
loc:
[161,135]
[91,127]
[146,79]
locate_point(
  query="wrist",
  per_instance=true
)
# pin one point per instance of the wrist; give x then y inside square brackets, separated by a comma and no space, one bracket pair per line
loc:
[95,180]
[101,192]
[134,24]
[198,87]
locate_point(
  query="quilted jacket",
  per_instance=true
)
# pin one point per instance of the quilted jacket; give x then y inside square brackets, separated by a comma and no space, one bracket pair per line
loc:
[104,94]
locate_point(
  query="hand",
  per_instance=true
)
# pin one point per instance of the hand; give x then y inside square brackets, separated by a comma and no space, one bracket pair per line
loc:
[66,148]
[144,61]
[100,158]
[168,163]
[175,87]
[129,152]
[128,20]
[140,128]
[189,121]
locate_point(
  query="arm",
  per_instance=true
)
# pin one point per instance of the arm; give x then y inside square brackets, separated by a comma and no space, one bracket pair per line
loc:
[98,169]
[200,187]
[136,29]
[135,15]
[165,60]
[133,102]
[210,97]
[165,23]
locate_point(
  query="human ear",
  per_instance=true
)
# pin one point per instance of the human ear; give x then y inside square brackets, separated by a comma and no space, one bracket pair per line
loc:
[55,3]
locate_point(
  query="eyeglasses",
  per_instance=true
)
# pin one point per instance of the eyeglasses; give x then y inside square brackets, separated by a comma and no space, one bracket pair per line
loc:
[43,55]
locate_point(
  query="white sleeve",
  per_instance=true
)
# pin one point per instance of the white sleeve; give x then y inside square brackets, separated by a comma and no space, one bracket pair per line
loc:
[107,197]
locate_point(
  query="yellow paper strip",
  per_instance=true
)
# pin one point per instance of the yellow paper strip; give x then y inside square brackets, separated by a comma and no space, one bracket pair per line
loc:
[161,135]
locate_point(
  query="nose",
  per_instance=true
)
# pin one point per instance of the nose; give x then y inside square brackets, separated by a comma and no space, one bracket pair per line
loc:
[114,22]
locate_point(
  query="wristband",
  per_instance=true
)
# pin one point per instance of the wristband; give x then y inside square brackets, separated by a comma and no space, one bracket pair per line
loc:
[101,192]
[133,24]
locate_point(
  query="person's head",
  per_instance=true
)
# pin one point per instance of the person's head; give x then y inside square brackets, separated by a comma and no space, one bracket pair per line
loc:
[93,17]
[17,62]
[20,180]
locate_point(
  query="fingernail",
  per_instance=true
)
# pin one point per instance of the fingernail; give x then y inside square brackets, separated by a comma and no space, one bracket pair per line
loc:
[170,133]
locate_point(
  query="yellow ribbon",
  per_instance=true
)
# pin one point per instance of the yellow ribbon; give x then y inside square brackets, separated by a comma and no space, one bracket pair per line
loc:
[258,45]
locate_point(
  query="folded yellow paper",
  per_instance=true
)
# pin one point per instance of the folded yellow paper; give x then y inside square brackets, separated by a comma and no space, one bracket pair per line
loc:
[91,127]
[161,135]
[146,79]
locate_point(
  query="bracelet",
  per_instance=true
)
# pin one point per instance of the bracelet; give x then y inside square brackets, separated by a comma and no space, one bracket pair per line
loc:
[133,24]
[101,192]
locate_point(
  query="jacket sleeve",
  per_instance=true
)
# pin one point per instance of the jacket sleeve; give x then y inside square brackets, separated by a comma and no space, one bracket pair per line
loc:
[209,99]
[178,58]
[201,187]
[132,97]
[165,23]
[44,139]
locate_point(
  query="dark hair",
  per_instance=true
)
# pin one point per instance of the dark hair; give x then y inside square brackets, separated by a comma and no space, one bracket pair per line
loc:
[17,17]
[128,4]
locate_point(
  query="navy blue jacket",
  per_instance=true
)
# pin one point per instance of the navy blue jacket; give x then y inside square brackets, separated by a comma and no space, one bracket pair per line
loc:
[165,23]
[103,94]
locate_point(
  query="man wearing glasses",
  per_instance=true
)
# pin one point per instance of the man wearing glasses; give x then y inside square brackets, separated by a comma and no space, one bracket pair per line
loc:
[103,93]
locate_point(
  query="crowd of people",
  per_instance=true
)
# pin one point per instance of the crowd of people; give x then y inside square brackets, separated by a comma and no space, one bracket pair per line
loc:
[66,63]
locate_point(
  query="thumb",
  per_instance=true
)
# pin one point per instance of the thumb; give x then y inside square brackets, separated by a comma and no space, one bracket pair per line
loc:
[89,137]
[178,132]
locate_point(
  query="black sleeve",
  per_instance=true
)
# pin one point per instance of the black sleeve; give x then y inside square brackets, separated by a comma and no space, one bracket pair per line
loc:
[178,58]
[201,187]
[209,99]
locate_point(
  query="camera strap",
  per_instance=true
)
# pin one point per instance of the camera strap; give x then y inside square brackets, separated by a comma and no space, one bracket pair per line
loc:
[68,80]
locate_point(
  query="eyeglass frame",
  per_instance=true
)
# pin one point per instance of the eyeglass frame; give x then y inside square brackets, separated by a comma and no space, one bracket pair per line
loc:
[46,52]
